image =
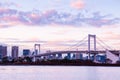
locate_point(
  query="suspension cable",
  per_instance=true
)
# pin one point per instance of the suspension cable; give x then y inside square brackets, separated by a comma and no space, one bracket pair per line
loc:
[81,41]
[101,45]
[108,47]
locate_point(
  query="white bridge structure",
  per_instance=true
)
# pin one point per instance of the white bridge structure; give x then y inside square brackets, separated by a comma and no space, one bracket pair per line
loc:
[111,55]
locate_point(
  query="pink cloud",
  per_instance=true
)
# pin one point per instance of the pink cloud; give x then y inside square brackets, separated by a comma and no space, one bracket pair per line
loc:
[11,21]
[11,17]
[79,4]
[49,13]
[99,22]
[3,10]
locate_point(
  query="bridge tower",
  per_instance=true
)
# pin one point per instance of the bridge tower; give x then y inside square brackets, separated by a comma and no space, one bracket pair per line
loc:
[37,49]
[89,42]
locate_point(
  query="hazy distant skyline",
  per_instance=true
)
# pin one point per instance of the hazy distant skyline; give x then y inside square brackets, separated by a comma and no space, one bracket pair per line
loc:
[54,23]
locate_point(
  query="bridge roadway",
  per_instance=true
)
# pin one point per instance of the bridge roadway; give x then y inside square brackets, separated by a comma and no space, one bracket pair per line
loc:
[65,52]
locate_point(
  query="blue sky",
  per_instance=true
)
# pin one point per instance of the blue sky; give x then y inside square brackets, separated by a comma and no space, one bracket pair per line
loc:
[56,24]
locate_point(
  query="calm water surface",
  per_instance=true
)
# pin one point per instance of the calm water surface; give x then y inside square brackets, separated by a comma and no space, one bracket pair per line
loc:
[59,73]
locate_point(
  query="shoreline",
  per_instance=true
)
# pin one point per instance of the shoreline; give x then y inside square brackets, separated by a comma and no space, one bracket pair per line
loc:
[64,62]
[96,65]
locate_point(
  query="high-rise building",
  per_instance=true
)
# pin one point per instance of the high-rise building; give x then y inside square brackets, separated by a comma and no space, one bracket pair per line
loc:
[3,51]
[15,51]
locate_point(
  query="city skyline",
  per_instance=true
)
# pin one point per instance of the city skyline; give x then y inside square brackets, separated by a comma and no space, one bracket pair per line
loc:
[58,23]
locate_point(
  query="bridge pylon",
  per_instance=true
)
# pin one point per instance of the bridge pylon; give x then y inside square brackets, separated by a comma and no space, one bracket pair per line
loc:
[37,51]
[89,43]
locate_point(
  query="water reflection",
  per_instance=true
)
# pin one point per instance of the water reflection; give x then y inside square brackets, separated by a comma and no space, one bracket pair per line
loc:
[58,73]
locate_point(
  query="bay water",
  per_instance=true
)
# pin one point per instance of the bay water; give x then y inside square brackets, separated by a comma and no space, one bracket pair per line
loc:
[59,73]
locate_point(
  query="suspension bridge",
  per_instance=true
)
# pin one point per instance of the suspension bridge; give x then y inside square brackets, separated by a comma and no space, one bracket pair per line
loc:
[91,52]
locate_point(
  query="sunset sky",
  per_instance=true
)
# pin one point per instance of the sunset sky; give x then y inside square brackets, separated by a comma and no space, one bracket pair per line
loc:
[57,24]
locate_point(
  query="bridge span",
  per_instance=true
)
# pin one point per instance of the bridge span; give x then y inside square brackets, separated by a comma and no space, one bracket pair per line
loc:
[66,52]
[92,52]
[111,54]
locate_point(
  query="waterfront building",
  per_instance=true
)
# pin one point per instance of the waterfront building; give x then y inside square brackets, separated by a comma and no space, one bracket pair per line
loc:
[26,52]
[101,58]
[3,51]
[15,51]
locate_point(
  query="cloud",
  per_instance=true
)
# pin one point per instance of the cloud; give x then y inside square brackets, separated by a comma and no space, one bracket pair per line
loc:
[78,4]
[16,40]
[12,17]
[101,20]
[8,4]
[6,11]
[26,41]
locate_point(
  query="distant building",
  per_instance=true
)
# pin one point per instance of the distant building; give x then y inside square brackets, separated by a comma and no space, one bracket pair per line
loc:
[3,51]
[101,58]
[26,52]
[15,51]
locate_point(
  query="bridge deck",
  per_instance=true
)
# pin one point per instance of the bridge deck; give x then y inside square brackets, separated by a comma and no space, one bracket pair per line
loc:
[65,52]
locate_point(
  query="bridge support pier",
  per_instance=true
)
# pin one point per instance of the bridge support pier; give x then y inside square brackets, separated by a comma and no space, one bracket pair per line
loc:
[54,56]
[78,56]
[69,56]
[37,51]
[119,56]
[36,58]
